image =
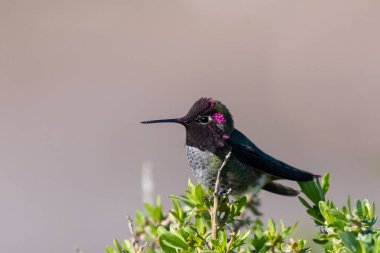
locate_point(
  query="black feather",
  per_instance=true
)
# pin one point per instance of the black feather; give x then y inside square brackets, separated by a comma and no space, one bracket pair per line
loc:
[247,152]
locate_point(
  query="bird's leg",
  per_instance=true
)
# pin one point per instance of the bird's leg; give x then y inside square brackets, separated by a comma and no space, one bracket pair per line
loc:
[224,192]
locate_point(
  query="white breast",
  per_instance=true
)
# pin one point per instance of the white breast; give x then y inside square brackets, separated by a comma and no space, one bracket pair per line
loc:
[199,161]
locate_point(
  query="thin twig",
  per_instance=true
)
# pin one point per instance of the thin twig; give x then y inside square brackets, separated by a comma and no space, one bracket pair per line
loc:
[131,229]
[232,237]
[214,220]
[135,244]
[203,239]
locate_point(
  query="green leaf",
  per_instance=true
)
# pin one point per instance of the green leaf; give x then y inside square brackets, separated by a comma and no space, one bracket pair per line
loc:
[258,242]
[245,235]
[325,183]
[349,240]
[200,225]
[140,218]
[166,248]
[373,216]
[359,210]
[178,213]
[272,229]
[158,201]
[304,202]
[349,206]
[173,241]
[292,229]
[161,230]
[199,194]
[184,199]
[376,247]
[109,249]
[312,190]
[320,241]
[240,203]
[190,185]
[325,212]
[127,245]
[117,246]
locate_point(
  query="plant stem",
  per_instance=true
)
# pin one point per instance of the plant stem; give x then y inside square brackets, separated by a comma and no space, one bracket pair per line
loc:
[135,245]
[214,221]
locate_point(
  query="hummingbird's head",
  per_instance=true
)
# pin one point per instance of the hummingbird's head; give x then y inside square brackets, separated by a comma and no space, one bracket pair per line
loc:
[208,124]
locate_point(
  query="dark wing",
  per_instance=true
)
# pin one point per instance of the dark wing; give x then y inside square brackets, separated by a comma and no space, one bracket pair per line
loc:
[247,152]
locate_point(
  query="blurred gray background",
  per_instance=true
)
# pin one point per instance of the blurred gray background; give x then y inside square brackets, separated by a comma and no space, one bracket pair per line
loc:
[302,79]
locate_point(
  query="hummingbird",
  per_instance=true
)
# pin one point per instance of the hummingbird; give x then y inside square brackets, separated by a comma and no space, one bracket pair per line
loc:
[211,135]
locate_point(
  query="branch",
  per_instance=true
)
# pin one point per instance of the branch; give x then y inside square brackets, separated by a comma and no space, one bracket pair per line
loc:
[136,247]
[203,239]
[214,221]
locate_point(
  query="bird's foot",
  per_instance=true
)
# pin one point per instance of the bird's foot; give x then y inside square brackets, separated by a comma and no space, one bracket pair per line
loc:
[224,192]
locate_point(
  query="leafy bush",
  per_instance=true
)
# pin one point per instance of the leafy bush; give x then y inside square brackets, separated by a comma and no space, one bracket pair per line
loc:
[188,225]
[346,230]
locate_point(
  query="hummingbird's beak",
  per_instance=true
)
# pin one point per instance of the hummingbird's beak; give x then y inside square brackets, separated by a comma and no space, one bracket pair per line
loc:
[161,121]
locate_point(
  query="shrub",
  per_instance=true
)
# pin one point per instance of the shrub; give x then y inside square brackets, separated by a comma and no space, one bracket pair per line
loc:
[188,225]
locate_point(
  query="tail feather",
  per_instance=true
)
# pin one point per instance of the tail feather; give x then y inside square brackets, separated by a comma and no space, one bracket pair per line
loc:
[280,189]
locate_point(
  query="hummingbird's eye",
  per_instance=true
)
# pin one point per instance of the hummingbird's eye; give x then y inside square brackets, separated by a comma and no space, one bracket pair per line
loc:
[204,119]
